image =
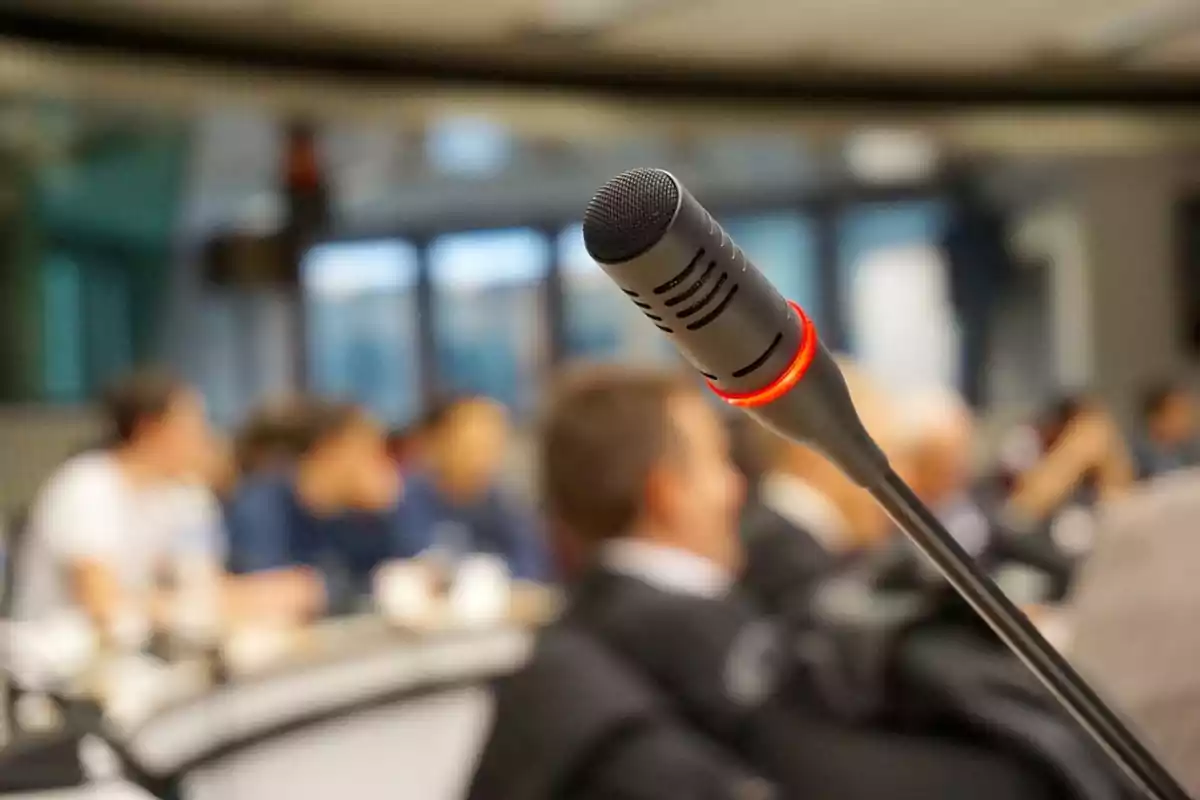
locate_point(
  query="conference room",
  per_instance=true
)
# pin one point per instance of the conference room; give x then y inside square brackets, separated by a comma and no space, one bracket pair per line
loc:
[301,304]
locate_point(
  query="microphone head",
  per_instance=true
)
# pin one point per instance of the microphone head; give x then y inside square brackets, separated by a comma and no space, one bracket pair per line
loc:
[630,214]
[684,274]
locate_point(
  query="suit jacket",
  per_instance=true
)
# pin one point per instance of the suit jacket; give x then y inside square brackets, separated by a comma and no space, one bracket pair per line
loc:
[784,563]
[714,670]
[579,724]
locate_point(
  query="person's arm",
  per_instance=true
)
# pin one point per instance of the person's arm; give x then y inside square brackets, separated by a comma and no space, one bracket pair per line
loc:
[1050,482]
[266,582]
[1115,472]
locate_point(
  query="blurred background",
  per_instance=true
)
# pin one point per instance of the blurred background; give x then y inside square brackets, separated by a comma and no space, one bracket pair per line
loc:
[381,202]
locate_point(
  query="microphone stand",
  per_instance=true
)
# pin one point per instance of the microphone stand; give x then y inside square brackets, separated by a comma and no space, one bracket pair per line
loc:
[1015,629]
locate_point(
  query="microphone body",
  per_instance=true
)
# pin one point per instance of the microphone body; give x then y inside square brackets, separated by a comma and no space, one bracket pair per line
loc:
[752,346]
[761,353]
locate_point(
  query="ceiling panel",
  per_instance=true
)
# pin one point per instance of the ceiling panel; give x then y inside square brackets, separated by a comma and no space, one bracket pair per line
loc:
[868,33]
[428,20]
[791,35]
[1179,53]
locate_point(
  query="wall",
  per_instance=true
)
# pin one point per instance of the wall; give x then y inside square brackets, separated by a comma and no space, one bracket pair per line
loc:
[1128,208]
[1107,233]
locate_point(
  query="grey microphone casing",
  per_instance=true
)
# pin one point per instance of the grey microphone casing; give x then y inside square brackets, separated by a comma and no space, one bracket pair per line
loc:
[680,268]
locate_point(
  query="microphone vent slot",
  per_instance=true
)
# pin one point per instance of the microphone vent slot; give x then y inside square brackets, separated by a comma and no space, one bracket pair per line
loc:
[699,305]
[695,287]
[682,276]
[717,310]
[762,359]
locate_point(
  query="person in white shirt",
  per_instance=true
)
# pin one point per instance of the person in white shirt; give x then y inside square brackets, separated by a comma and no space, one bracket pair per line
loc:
[111,525]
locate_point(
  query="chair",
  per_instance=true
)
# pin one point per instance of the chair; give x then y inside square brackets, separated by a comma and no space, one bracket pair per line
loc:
[1133,617]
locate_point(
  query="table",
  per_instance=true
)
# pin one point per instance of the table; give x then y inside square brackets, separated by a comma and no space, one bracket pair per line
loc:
[326,709]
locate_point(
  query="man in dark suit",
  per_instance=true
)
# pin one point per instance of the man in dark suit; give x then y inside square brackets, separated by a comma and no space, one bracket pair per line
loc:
[664,678]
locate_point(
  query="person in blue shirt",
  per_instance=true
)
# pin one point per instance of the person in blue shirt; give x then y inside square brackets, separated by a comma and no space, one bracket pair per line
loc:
[331,517]
[452,504]
[1168,439]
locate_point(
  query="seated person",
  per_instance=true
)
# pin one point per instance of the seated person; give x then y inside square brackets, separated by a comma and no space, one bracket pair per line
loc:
[662,679]
[1168,439]
[937,438]
[111,521]
[452,504]
[331,517]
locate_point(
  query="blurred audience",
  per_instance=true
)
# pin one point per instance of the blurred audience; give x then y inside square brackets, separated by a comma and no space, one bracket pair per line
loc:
[113,525]
[327,518]
[663,678]
[1168,438]
[453,504]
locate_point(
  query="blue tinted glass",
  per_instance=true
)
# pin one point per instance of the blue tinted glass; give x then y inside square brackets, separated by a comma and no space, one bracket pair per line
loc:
[877,227]
[489,312]
[62,293]
[783,246]
[900,319]
[362,331]
[468,146]
[600,322]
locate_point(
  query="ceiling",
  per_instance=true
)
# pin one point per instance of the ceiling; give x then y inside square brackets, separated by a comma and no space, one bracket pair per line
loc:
[1037,39]
[1025,78]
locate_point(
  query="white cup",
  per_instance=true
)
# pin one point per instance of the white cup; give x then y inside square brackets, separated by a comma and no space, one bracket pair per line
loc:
[482,591]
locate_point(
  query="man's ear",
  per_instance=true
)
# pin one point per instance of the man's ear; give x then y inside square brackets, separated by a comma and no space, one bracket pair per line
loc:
[659,492]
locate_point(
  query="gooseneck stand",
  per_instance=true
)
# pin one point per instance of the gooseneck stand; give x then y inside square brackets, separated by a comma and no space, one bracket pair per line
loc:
[1015,629]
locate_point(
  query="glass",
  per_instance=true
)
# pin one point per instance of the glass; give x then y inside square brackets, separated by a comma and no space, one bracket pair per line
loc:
[784,246]
[900,321]
[489,318]
[62,297]
[468,146]
[362,308]
[600,323]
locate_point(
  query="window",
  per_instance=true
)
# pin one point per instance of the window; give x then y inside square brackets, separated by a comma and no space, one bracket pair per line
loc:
[900,319]
[783,246]
[62,297]
[600,323]
[362,332]
[489,316]
[468,146]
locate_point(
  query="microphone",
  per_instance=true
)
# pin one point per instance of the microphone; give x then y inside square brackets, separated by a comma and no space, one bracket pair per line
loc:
[757,351]
[761,353]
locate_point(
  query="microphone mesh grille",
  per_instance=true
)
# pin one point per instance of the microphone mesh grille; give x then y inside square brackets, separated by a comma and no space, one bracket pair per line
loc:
[629,215]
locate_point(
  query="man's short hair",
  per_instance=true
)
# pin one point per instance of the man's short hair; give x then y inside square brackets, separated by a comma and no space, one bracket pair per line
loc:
[605,431]
[325,420]
[136,399]
[1156,396]
[273,433]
